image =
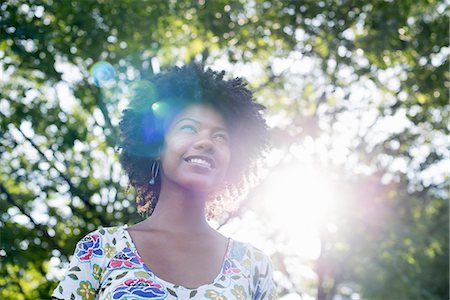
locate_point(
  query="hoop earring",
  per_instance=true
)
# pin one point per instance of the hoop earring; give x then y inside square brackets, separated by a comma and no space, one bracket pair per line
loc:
[155,171]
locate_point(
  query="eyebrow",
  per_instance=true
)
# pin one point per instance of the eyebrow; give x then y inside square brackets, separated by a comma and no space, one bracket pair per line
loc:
[199,123]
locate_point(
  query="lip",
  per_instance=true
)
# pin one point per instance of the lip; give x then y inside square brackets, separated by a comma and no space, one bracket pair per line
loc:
[205,158]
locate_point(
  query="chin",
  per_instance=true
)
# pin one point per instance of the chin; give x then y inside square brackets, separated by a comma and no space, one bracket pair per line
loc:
[200,187]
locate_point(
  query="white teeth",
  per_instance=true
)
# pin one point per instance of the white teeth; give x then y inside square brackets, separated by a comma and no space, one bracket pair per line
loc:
[200,162]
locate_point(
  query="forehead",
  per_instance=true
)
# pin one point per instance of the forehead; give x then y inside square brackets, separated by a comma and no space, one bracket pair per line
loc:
[203,114]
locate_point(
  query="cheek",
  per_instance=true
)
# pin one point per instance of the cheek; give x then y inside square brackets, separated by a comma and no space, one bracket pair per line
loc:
[172,147]
[226,158]
[169,154]
[233,166]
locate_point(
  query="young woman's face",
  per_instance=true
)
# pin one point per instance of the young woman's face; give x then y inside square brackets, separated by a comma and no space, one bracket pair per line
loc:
[196,153]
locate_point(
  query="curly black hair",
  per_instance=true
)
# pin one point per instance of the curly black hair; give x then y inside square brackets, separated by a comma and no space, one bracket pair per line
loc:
[153,104]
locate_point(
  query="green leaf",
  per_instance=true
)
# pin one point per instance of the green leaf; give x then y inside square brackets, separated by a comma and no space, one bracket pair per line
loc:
[193,293]
[172,292]
[73,276]
[76,268]
[121,275]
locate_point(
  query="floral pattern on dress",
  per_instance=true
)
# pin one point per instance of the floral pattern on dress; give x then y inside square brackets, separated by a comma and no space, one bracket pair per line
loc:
[110,251]
[86,291]
[139,288]
[107,266]
[97,272]
[112,230]
[239,292]
[127,258]
[214,295]
[89,246]
[229,267]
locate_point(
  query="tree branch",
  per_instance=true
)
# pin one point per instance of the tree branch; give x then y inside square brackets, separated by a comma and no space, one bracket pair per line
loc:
[112,139]
[47,237]
[72,188]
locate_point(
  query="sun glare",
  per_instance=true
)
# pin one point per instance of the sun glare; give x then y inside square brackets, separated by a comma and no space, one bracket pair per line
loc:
[301,201]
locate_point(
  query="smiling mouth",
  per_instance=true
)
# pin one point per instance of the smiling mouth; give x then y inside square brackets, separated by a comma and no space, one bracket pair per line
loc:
[200,161]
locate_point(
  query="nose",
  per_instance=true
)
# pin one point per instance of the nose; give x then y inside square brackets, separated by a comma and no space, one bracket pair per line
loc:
[205,144]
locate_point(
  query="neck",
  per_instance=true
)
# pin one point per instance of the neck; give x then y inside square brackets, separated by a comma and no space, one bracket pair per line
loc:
[179,211]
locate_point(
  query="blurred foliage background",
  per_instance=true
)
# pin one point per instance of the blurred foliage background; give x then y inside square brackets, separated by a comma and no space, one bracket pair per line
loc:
[362,87]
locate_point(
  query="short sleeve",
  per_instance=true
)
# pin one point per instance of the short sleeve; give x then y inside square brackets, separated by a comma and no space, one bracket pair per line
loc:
[265,288]
[82,279]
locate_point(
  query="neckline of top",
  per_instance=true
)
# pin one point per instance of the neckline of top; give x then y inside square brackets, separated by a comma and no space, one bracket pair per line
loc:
[220,274]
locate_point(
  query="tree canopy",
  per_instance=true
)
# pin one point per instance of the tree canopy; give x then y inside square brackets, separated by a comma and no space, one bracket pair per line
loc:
[362,86]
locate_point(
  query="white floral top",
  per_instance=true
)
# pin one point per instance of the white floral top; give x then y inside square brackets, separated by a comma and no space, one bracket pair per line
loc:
[106,265]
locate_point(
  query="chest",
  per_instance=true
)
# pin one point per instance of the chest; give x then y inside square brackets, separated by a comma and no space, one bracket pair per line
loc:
[188,261]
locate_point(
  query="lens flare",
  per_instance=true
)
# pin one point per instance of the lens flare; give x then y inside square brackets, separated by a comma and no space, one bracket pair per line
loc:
[152,133]
[160,109]
[142,95]
[103,74]
[302,201]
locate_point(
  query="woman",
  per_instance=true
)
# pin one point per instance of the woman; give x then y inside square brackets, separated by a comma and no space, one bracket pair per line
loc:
[188,138]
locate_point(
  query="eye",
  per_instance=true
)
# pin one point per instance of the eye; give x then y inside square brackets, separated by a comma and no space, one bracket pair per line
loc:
[188,128]
[221,137]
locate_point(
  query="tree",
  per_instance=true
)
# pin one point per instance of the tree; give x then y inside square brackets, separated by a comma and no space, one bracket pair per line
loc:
[59,176]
